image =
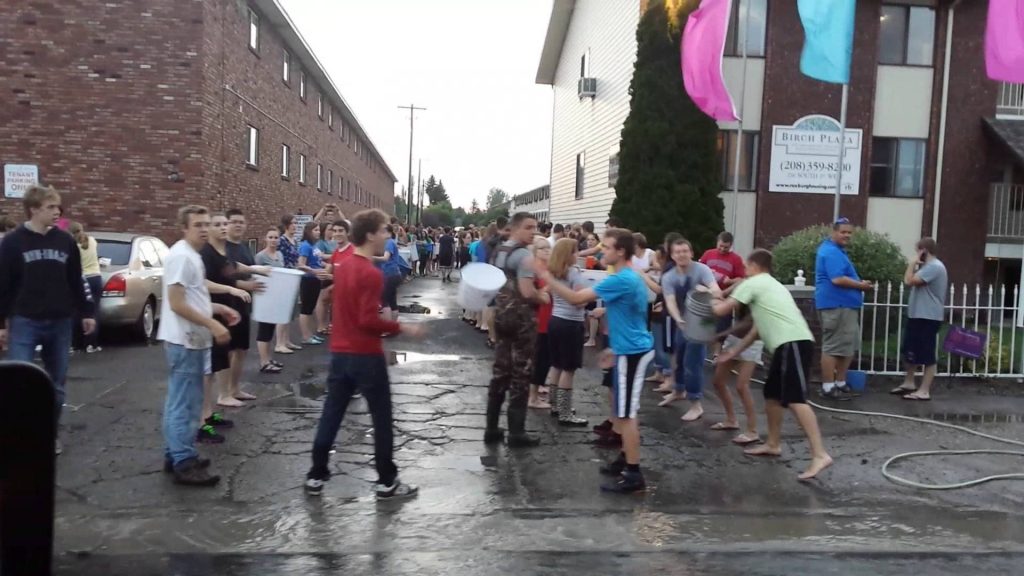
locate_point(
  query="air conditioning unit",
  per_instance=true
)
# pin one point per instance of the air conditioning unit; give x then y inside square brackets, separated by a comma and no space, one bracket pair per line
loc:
[587,87]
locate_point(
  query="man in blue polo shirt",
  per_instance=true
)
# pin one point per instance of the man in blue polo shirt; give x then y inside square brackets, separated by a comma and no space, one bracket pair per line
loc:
[838,296]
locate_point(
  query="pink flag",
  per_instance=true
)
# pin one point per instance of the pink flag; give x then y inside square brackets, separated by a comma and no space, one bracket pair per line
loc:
[702,48]
[1004,41]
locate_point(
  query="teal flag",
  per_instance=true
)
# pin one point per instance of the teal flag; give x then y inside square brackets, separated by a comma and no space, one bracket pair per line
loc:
[828,39]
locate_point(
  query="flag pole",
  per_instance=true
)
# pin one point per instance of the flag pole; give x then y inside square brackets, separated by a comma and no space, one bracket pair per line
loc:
[739,126]
[842,151]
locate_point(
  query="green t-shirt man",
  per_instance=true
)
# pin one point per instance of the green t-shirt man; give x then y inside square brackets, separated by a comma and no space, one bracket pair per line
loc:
[776,316]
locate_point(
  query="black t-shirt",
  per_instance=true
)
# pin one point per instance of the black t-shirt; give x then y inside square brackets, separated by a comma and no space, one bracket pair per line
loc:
[220,269]
[447,244]
[240,253]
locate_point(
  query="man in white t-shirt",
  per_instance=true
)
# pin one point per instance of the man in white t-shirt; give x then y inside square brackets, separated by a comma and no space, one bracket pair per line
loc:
[188,329]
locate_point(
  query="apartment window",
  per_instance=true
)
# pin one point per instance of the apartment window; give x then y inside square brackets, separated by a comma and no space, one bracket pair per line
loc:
[286,157]
[348,193]
[320,105]
[897,167]
[302,85]
[286,67]
[613,167]
[253,147]
[254,31]
[907,35]
[748,162]
[302,169]
[330,181]
[585,64]
[581,162]
[319,176]
[330,117]
[344,131]
[752,16]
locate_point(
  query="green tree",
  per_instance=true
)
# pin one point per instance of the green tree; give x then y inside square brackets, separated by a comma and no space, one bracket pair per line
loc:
[400,206]
[496,197]
[668,161]
[435,192]
[440,214]
[474,207]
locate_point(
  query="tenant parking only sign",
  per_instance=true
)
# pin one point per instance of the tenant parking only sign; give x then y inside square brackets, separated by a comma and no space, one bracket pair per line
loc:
[18,177]
[805,156]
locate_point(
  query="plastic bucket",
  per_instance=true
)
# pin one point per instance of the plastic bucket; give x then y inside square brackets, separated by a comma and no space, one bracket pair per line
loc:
[856,380]
[699,317]
[406,254]
[593,277]
[479,285]
[275,304]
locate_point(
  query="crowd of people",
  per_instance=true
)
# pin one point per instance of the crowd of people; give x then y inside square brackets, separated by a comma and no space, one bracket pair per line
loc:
[565,290]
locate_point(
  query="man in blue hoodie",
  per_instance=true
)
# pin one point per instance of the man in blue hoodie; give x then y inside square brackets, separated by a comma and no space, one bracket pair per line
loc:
[35,307]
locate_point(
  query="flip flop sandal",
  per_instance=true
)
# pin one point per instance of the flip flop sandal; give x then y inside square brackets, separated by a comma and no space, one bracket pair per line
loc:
[283,351]
[276,363]
[917,398]
[491,344]
[723,426]
[744,440]
[901,391]
[270,368]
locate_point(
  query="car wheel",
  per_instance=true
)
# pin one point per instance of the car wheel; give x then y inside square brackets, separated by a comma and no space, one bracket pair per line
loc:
[145,326]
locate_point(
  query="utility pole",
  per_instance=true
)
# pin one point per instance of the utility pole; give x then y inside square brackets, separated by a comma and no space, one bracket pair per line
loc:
[412,108]
[419,188]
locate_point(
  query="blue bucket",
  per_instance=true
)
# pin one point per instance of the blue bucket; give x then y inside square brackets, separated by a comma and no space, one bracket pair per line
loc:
[856,380]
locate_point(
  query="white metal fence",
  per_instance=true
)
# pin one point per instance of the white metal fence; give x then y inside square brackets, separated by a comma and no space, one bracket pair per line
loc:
[1011,101]
[992,311]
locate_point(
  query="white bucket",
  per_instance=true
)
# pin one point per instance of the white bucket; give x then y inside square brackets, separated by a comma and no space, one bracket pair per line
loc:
[479,285]
[593,277]
[406,254]
[274,305]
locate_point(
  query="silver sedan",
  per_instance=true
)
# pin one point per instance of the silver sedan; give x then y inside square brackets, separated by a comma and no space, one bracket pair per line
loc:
[132,270]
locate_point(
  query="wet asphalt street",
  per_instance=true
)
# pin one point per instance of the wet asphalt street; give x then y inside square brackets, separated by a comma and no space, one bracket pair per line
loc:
[709,510]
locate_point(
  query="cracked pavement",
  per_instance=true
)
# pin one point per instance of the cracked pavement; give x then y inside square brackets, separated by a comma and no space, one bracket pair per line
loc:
[709,509]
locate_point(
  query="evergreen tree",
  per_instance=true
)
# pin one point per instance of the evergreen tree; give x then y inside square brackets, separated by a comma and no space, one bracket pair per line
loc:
[434,191]
[668,162]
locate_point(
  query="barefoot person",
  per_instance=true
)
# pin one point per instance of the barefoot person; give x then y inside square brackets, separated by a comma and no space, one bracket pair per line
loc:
[744,365]
[785,333]
[686,275]
[357,359]
[625,296]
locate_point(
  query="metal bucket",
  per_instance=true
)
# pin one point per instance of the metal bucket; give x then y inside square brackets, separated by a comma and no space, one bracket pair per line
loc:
[699,317]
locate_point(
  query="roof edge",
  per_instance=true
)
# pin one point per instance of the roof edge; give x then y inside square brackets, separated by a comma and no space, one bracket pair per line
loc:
[558,28]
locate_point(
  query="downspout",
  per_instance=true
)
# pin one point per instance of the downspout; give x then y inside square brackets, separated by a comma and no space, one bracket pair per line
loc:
[942,118]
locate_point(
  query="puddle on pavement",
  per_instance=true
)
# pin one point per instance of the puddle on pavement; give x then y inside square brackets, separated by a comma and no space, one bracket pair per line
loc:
[976,418]
[413,309]
[398,357]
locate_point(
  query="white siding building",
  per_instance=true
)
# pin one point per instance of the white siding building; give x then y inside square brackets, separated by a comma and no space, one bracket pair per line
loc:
[593,40]
[536,202]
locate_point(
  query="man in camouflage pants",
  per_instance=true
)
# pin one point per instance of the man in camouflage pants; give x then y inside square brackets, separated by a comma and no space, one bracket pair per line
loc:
[516,330]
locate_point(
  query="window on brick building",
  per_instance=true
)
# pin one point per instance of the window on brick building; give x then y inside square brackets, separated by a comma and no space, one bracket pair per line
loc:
[906,35]
[330,181]
[254,31]
[348,193]
[748,160]
[755,27]
[581,164]
[897,167]
[320,105]
[252,147]
[286,67]
[330,117]
[286,161]
[302,169]
[319,176]
[302,85]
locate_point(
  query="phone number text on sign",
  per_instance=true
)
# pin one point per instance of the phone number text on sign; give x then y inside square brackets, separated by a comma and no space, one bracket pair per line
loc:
[805,157]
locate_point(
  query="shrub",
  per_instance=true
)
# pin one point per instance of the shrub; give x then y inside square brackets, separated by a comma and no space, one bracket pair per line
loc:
[874,255]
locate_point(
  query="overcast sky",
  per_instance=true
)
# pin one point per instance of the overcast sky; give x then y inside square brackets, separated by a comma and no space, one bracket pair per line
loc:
[471,63]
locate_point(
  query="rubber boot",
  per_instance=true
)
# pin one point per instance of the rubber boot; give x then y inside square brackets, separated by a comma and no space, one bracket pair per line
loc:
[493,434]
[566,415]
[517,436]
[556,393]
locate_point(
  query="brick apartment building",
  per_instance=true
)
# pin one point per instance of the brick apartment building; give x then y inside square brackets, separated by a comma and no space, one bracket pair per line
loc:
[939,147]
[133,109]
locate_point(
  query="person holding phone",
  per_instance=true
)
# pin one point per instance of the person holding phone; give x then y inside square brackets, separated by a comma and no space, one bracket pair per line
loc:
[929,284]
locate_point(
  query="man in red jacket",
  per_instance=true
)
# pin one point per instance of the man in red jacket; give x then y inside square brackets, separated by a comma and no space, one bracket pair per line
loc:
[357,358]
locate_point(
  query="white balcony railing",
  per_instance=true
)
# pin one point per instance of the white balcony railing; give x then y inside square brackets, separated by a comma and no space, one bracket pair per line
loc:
[1006,212]
[1011,101]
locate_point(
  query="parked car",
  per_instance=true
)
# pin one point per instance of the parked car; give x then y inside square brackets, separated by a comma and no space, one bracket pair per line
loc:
[132,268]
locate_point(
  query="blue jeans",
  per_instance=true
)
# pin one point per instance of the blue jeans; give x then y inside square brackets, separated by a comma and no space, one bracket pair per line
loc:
[367,373]
[690,366]
[184,404]
[54,336]
[662,361]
